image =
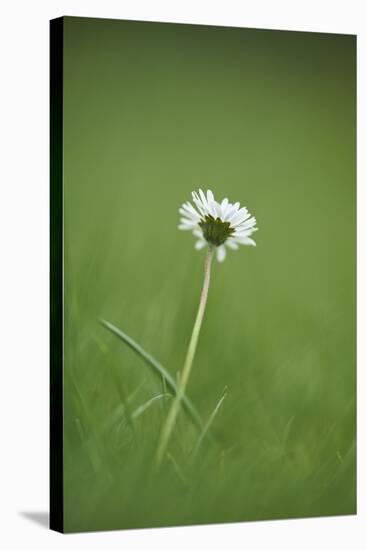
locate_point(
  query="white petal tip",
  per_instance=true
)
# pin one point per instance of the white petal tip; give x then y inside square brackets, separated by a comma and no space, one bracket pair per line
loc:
[221,253]
[250,242]
[200,244]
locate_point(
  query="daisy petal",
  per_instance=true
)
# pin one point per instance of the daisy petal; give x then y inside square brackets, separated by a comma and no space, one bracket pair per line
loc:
[210,196]
[247,241]
[231,211]
[240,216]
[232,244]
[218,212]
[184,227]
[225,205]
[203,198]
[186,221]
[221,253]
[188,208]
[189,216]
[200,244]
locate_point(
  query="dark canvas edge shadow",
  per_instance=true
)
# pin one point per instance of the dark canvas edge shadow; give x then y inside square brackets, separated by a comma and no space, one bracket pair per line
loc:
[56,275]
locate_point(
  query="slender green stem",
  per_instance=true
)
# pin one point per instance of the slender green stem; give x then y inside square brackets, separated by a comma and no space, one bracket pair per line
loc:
[187,367]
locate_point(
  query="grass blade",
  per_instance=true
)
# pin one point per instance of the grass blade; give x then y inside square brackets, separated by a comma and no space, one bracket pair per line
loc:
[207,426]
[157,368]
[142,408]
[178,469]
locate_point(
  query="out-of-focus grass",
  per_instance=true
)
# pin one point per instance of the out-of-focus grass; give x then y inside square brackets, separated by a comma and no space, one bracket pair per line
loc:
[267,118]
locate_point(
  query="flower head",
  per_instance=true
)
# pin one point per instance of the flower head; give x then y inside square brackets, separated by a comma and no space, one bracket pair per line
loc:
[217,224]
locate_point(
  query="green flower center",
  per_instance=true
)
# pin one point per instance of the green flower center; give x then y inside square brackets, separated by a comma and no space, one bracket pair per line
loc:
[215,231]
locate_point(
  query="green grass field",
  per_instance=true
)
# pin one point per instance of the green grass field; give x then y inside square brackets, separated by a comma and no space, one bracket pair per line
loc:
[267,118]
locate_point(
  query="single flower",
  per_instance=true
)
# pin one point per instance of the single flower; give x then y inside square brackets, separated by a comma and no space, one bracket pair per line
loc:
[217,224]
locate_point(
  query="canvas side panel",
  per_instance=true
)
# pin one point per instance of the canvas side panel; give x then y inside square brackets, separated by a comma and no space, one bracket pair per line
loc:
[56,275]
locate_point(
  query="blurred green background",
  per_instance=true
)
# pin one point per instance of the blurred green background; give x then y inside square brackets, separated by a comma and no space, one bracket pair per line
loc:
[152,112]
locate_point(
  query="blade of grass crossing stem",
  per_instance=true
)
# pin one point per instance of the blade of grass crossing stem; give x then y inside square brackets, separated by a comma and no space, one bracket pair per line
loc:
[158,369]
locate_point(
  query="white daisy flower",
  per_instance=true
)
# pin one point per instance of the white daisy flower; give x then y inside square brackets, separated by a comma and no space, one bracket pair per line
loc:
[223,225]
